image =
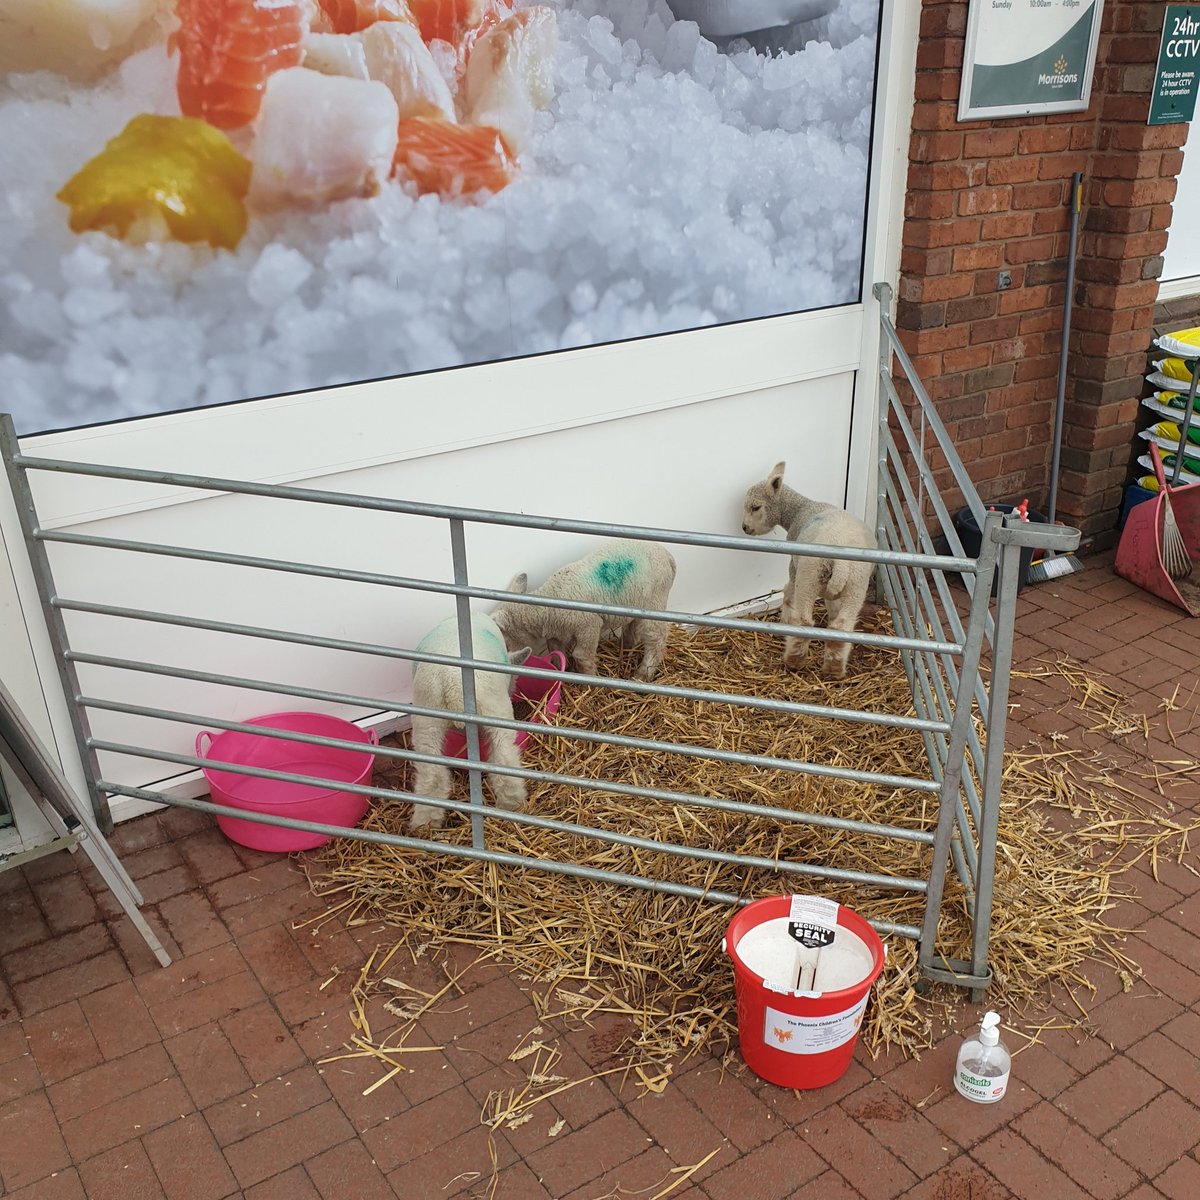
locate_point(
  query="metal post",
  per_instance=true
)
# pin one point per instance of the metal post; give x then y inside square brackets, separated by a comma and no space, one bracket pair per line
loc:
[883,294]
[39,561]
[466,647]
[66,814]
[885,574]
[953,769]
[993,762]
[1186,423]
[1064,352]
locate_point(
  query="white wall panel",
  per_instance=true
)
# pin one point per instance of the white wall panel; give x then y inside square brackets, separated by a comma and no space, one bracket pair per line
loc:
[674,469]
[1181,260]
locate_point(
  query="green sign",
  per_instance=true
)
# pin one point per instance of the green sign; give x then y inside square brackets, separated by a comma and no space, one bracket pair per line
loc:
[1028,56]
[1174,95]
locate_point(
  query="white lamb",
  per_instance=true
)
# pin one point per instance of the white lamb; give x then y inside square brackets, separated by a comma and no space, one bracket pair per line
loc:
[841,584]
[630,573]
[438,685]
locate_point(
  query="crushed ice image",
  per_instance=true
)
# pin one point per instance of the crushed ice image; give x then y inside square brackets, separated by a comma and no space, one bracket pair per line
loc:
[405,199]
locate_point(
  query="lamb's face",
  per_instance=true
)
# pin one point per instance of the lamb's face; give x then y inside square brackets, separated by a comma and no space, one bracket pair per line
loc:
[758,511]
[521,626]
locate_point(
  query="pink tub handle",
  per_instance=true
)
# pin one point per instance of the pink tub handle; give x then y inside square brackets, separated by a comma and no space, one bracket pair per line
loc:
[202,751]
[373,737]
[561,657]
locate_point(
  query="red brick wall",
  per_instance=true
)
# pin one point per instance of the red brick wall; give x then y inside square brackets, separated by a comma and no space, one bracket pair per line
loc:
[987,196]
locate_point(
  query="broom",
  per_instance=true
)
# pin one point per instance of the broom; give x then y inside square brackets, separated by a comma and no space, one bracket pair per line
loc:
[1051,565]
[1175,554]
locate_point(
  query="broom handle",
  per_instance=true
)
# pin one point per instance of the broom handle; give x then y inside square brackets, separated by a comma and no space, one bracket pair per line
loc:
[1061,397]
[1160,474]
[1186,423]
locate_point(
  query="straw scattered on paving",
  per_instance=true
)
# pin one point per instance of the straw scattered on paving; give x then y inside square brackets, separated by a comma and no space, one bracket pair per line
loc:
[588,950]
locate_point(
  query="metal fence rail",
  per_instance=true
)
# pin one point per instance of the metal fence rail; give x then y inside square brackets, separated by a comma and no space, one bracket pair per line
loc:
[913,515]
[959,715]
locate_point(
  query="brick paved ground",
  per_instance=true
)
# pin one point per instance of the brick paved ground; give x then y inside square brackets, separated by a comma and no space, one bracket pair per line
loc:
[201,1081]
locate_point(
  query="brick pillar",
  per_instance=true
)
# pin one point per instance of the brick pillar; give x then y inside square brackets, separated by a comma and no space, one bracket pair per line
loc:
[991,196]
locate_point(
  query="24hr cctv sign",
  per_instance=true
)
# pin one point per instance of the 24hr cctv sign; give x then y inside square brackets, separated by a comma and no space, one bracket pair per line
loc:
[1028,56]
[1175,80]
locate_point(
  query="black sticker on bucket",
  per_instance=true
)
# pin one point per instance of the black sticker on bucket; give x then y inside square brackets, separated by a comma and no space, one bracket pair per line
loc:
[812,921]
[812,936]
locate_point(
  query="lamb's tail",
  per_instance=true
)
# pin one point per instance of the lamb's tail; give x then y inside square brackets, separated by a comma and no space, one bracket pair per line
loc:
[843,571]
[839,576]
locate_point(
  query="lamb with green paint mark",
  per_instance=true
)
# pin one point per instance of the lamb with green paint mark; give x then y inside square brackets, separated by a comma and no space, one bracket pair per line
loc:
[439,685]
[841,583]
[624,572]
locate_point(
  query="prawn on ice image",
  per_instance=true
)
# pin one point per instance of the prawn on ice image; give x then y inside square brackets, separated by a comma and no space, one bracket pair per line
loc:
[562,174]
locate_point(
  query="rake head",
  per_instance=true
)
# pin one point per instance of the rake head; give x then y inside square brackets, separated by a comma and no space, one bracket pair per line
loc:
[1176,559]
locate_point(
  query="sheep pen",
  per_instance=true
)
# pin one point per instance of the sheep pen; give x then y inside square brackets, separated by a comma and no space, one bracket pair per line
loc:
[655,960]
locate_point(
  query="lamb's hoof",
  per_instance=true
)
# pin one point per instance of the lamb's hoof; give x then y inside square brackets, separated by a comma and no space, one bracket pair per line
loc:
[834,671]
[794,662]
[511,798]
[423,826]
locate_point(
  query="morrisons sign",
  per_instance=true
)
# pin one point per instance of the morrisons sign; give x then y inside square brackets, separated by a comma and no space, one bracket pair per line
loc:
[1028,56]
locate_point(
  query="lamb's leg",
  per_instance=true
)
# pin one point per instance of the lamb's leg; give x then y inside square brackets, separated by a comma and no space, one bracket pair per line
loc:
[432,779]
[508,790]
[586,641]
[843,610]
[798,603]
[652,635]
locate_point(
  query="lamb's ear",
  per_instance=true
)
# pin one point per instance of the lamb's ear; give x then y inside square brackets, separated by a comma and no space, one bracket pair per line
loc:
[775,479]
[517,657]
[518,583]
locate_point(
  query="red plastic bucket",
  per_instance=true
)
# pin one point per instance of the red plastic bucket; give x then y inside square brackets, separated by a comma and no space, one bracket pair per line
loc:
[300,801]
[790,1038]
[533,690]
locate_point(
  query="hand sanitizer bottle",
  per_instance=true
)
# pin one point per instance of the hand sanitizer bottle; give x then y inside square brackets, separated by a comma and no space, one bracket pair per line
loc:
[981,1073]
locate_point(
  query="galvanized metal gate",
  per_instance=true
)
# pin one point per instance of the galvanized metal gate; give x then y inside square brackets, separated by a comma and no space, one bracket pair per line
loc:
[959,711]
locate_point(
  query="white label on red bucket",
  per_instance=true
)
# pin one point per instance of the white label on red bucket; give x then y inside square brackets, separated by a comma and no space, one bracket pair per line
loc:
[812,1035]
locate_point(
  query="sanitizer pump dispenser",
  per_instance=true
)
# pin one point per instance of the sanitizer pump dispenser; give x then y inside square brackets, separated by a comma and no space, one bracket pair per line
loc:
[981,1073]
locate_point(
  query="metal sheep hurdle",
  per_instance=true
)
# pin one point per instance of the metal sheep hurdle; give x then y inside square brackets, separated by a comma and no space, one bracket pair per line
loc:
[940,650]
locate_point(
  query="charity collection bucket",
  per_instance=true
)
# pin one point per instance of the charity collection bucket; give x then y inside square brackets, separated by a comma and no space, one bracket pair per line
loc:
[327,804]
[543,697]
[793,1038]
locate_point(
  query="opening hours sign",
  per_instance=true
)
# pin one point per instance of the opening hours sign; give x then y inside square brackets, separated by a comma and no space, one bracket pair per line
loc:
[1028,56]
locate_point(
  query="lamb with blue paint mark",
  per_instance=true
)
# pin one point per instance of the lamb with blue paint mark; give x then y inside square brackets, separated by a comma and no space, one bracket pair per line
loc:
[842,584]
[625,572]
[439,685]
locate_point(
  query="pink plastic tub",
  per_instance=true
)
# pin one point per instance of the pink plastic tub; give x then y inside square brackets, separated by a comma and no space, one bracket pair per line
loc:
[301,801]
[544,695]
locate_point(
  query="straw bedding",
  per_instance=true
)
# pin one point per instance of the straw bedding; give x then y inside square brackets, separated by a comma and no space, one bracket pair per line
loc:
[594,948]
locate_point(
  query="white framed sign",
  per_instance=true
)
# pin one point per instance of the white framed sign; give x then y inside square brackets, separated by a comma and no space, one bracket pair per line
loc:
[1028,56]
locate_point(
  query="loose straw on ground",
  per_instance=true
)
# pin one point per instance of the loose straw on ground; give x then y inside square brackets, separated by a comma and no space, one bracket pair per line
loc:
[652,961]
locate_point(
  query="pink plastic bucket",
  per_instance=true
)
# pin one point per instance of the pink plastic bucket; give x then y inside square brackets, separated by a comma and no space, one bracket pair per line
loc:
[300,801]
[545,695]
[794,1039]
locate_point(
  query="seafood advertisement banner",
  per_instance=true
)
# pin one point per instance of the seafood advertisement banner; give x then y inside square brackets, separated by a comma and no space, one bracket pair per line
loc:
[214,201]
